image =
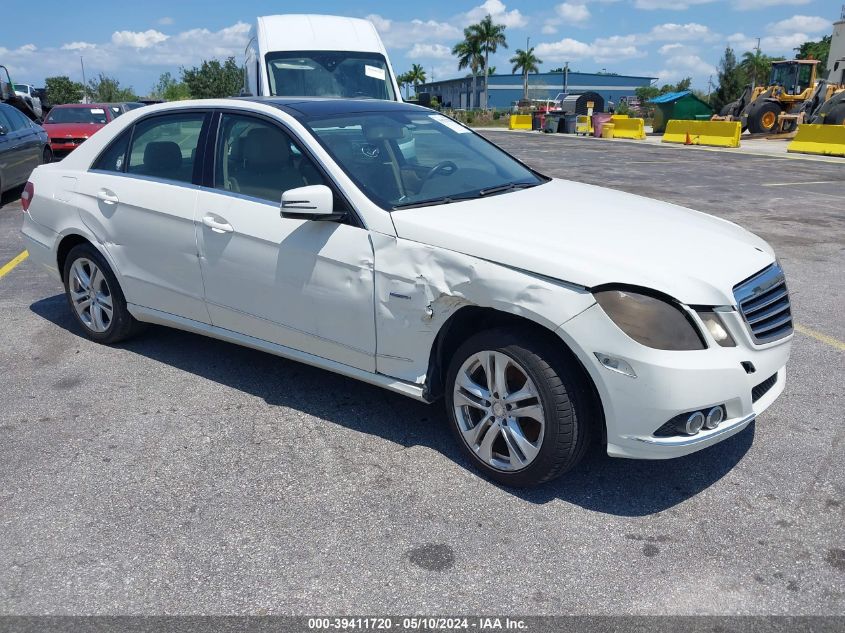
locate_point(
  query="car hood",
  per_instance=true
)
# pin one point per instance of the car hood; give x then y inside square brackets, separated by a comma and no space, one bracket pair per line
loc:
[74,130]
[589,236]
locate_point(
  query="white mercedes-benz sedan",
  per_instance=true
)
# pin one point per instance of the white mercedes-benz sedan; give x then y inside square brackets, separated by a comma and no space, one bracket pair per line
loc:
[387,242]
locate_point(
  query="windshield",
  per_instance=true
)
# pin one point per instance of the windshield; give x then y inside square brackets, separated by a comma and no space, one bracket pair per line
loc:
[416,158]
[329,74]
[77,115]
[21,88]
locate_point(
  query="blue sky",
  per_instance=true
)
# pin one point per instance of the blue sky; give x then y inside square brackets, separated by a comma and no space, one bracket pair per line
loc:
[669,39]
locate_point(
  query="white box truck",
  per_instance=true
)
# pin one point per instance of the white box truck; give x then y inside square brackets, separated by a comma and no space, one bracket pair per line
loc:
[317,56]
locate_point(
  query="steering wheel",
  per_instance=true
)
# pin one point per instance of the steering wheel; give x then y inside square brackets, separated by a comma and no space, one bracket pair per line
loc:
[445,167]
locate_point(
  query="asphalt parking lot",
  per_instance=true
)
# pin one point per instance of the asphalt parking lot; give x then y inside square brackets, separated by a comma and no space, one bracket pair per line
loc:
[177,474]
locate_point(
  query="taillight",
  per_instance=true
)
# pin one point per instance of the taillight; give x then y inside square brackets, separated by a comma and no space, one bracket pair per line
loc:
[27,195]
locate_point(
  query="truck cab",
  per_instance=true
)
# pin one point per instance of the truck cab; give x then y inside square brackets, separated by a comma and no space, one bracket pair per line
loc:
[317,56]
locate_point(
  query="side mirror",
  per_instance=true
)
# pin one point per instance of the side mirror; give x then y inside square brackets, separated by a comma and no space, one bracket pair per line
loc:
[3,130]
[314,202]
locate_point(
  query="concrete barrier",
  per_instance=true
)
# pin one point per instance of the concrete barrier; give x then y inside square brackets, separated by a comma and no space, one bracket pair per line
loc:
[628,128]
[520,122]
[713,133]
[827,140]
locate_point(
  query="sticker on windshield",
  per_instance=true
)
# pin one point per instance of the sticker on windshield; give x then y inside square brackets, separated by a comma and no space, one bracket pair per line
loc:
[375,73]
[449,123]
[97,111]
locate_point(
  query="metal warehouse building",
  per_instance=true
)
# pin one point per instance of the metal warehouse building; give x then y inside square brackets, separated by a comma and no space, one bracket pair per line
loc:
[505,90]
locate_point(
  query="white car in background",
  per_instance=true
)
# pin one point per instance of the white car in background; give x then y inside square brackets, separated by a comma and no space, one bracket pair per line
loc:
[548,312]
[33,100]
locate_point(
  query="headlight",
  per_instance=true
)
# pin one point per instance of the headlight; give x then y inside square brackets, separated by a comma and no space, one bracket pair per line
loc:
[652,322]
[714,324]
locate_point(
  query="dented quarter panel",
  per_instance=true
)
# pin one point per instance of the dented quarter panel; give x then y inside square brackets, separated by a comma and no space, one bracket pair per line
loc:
[418,287]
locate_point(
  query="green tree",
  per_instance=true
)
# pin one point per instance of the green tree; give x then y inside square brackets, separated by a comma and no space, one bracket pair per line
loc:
[169,88]
[470,56]
[107,89]
[490,36]
[682,85]
[815,50]
[757,67]
[525,62]
[416,75]
[213,80]
[731,81]
[61,89]
[646,93]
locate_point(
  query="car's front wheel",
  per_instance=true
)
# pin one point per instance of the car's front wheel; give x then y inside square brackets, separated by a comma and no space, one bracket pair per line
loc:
[517,407]
[95,297]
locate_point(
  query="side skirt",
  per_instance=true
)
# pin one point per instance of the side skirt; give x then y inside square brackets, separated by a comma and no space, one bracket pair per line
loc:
[149,315]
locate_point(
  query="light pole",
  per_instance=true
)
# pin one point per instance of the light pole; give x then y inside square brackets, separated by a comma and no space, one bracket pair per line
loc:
[566,78]
[84,83]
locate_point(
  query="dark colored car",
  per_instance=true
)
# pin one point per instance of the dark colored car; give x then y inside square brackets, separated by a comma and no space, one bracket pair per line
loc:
[123,107]
[23,146]
[71,124]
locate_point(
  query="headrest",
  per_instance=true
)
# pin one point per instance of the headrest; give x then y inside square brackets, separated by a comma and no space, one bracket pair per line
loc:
[162,156]
[266,147]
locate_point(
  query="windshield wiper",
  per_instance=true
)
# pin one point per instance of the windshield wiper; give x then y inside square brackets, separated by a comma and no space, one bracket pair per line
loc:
[507,187]
[434,202]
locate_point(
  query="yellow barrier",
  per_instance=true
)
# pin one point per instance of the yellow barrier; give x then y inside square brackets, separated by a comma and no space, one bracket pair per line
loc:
[715,133]
[520,122]
[583,125]
[607,130]
[827,140]
[628,128]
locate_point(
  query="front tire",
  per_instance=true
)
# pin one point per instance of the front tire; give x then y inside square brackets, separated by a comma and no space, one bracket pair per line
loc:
[763,119]
[95,297]
[517,406]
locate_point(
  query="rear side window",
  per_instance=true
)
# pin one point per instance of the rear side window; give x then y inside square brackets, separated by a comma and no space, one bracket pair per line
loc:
[114,158]
[166,146]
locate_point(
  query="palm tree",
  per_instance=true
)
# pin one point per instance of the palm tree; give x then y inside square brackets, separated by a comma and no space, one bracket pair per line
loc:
[470,56]
[490,36]
[403,82]
[416,75]
[756,67]
[525,62]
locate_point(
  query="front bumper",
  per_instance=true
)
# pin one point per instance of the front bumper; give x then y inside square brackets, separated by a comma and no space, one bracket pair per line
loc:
[670,383]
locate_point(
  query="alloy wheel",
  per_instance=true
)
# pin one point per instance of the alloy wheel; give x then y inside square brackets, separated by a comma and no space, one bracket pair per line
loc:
[498,410]
[90,295]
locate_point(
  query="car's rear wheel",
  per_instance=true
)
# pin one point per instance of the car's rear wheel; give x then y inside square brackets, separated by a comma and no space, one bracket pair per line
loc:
[95,297]
[517,407]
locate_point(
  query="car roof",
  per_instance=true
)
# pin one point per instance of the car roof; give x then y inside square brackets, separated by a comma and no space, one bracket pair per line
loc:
[81,105]
[316,107]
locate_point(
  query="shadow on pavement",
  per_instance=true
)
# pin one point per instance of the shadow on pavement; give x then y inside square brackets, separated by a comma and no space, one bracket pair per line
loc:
[613,486]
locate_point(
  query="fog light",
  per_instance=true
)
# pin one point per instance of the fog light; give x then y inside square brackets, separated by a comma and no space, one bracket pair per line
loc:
[692,424]
[714,417]
[616,364]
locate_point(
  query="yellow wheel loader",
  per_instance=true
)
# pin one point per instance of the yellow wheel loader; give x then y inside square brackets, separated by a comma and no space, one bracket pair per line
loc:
[829,105]
[791,83]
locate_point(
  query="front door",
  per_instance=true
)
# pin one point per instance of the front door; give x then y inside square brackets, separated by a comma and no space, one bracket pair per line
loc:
[307,285]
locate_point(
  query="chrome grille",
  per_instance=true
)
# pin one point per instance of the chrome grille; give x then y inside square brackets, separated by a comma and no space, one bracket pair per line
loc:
[763,301]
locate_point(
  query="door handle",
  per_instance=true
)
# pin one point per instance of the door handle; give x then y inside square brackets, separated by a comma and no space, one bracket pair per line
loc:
[217,226]
[107,196]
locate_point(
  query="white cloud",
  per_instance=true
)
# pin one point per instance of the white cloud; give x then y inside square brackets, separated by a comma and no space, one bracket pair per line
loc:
[600,50]
[549,27]
[398,34]
[430,51]
[138,39]
[563,50]
[573,13]
[77,46]
[691,31]
[679,66]
[166,21]
[498,11]
[748,5]
[671,5]
[799,24]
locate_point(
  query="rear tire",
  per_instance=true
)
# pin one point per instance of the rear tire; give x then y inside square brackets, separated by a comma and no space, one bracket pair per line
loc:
[95,298]
[532,377]
[763,119]
[836,115]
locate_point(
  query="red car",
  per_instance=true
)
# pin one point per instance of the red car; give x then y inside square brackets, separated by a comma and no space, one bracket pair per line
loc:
[71,124]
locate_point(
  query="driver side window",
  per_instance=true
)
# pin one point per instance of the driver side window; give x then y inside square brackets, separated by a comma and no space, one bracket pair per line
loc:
[258,159]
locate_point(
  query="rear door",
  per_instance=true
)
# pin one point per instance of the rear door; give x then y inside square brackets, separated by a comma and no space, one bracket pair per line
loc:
[13,154]
[139,198]
[29,143]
